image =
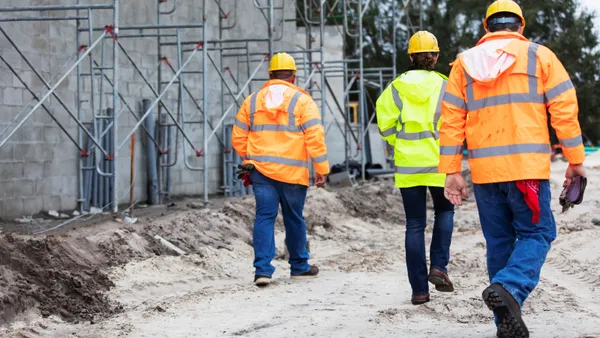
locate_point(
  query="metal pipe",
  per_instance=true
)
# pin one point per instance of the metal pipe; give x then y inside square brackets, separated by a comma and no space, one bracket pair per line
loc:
[362,88]
[115,190]
[151,157]
[53,8]
[143,27]
[51,91]
[83,186]
[205,108]
[131,175]
[66,18]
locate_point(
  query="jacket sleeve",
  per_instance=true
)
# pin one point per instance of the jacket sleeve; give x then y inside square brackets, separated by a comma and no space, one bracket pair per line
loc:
[561,100]
[241,128]
[314,136]
[454,119]
[387,114]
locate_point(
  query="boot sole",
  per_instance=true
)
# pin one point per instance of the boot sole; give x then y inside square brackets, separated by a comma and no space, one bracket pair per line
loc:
[511,324]
[440,283]
[262,281]
[419,302]
[299,277]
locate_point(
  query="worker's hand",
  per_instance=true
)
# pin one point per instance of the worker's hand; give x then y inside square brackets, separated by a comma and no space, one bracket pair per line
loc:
[320,180]
[573,171]
[455,188]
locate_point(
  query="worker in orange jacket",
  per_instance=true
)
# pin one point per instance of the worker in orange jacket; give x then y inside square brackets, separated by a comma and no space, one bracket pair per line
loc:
[497,96]
[276,130]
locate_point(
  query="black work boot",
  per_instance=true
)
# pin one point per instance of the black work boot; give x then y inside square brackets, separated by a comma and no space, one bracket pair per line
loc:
[507,310]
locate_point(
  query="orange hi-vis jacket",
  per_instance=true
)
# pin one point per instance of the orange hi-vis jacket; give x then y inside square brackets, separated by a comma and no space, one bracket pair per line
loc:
[277,129]
[498,96]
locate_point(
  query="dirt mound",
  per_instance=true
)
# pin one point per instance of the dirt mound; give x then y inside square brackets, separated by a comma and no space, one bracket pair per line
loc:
[373,201]
[45,272]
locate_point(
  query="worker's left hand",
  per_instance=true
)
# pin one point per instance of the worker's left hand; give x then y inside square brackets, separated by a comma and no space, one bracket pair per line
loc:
[455,188]
[320,180]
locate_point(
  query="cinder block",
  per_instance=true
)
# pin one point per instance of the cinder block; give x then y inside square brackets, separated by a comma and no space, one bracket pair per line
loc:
[60,168]
[29,133]
[18,188]
[34,152]
[56,135]
[7,152]
[51,203]
[34,170]
[43,186]
[13,96]
[13,207]
[32,205]
[12,170]
[68,202]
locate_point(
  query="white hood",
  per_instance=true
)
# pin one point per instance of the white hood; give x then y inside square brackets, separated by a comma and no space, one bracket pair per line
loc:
[484,63]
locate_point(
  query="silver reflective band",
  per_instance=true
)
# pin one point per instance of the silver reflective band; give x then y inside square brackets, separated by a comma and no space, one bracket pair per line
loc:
[438,108]
[290,127]
[421,135]
[320,159]
[398,102]
[276,127]
[512,149]
[572,142]
[531,97]
[451,150]
[559,89]
[415,170]
[388,132]
[241,125]
[277,160]
[252,108]
[455,100]
[311,123]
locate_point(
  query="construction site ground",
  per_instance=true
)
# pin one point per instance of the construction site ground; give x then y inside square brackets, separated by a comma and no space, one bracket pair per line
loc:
[107,278]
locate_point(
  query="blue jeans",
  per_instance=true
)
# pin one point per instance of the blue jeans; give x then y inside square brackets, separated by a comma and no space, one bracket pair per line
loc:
[516,248]
[269,194]
[415,208]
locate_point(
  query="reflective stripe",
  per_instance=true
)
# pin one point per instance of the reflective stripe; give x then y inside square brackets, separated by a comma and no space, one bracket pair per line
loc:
[276,127]
[388,132]
[278,160]
[455,100]
[320,159]
[415,170]
[438,109]
[559,89]
[241,125]
[451,150]
[532,67]
[421,135]
[311,123]
[252,108]
[531,97]
[572,142]
[398,102]
[511,149]
[292,107]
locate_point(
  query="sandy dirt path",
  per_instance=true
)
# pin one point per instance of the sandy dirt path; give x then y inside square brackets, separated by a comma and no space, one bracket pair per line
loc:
[363,289]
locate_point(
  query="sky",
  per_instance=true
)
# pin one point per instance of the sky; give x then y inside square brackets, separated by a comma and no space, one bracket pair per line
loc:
[595,5]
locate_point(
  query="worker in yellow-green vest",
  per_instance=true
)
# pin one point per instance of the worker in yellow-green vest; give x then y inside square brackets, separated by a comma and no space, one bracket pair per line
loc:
[408,116]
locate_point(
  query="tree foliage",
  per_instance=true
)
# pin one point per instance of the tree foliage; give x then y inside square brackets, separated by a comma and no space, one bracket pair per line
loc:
[560,25]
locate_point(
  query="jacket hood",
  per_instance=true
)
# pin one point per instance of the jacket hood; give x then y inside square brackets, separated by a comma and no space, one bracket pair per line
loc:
[273,98]
[418,85]
[491,57]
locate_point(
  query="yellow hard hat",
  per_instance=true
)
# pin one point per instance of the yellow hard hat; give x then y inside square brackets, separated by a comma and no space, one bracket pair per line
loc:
[422,42]
[282,61]
[504,6]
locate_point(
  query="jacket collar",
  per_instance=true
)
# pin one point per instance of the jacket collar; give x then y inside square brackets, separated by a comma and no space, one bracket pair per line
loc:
[501,35]
[285,83]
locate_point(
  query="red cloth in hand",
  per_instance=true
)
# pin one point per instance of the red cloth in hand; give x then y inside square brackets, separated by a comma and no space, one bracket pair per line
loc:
[530,190]
[246,179]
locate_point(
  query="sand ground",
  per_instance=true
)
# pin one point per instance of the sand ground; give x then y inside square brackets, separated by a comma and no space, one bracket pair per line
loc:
[356,238]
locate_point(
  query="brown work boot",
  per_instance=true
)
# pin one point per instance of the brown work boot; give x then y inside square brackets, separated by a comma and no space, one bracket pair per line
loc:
[507,310]
[312,272]
[418,300]
[441,280]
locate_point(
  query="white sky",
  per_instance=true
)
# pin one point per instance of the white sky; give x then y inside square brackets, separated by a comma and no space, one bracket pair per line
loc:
[594,5]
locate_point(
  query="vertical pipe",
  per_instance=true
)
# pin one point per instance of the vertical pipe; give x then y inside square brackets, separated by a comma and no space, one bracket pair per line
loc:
[205,102]
[361,91]
[131,175]
[270,28]
[115,190]
[80,162]
[322,65]
[394,42]
[151,165]
[225,164]
[161,139]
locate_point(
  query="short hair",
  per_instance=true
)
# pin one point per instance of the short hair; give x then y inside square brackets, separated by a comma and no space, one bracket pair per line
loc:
[281,74]
[504,21]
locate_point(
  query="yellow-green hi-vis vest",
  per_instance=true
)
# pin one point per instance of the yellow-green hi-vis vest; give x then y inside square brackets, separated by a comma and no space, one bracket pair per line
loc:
[409,115]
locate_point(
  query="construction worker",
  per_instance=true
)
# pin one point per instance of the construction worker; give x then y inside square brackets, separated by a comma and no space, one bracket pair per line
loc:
[498,96]
[408,116]
[275,132]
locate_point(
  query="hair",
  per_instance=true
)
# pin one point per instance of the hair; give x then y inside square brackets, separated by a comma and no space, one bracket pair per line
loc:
[496,27]
[281,74]
[423,61]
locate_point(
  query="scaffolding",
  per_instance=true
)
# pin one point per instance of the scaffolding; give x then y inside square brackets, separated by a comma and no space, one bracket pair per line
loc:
[97,139]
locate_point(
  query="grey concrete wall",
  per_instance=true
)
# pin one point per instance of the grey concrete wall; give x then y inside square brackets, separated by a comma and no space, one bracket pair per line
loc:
[38,165]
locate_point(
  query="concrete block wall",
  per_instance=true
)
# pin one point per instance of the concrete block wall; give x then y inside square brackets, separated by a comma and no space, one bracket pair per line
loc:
[38,165]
